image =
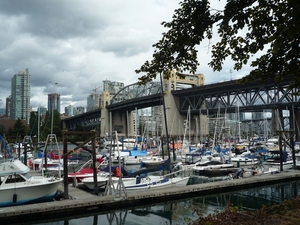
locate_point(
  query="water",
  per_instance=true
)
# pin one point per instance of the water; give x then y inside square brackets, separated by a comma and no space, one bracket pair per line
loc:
[183,211]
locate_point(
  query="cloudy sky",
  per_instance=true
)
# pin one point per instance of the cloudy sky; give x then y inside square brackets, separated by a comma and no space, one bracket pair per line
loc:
[78,44]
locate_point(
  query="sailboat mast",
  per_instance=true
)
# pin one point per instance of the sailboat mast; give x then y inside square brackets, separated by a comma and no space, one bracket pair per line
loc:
[189,115]
[39,123]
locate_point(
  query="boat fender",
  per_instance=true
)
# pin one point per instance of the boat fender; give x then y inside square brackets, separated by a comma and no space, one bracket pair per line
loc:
[75,184]
[237,173]
[57,196]
[15,197]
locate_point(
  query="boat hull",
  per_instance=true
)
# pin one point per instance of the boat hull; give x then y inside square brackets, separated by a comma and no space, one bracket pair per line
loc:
[17,194]
[101,182]
[152,182]
[214,172]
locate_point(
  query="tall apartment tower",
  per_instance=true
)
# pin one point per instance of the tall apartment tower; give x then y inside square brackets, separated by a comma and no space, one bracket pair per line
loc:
[92,102]
[69,110]
[157,117]
[54,101]
[112,87]
[20,96]
[79,110]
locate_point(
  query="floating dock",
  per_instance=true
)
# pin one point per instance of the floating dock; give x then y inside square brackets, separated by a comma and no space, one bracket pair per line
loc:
[81,202]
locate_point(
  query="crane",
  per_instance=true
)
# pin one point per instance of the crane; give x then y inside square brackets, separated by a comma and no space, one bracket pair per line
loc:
[95,95]
[95,90]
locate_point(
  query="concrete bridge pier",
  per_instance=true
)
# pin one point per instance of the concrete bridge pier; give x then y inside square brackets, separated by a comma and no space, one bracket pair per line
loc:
[277,121]
[294,121]
[120,121]
[196,125]
[105,121]
[176,122]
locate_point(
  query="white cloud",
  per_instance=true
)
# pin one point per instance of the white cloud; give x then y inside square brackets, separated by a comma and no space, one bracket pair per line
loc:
[78,44]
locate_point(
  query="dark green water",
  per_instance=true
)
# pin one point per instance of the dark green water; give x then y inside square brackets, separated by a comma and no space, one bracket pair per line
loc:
[183,211]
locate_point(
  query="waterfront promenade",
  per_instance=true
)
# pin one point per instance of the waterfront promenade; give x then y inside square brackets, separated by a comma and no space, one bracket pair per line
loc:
[82,202]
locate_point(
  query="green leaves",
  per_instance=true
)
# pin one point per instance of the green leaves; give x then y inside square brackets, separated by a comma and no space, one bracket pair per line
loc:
[176,50]
[265,32]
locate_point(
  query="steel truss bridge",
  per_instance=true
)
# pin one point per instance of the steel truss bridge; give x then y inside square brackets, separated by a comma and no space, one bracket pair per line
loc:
[227,95]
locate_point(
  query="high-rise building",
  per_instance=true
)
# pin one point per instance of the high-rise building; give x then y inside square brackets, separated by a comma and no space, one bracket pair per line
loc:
[42,110]
[79,110]
[112,87]
[54,101]
[157,117]
[94,99]
[91,102]
[20,96]
[69,110]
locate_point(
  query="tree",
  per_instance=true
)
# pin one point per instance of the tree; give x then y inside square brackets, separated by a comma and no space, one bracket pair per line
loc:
[33,124]
[246,28]
[19,129]
[46,128]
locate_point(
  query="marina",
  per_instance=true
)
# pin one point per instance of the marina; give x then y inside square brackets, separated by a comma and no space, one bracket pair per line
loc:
[85,203]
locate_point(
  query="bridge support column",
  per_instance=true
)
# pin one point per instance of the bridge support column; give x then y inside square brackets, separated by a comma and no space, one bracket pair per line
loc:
[198,127]
[276,121]
[295,122]
[175,121]
[105,117]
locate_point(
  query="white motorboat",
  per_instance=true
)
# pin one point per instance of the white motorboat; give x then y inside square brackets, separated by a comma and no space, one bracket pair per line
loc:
[17,186]
[130,143]
[246,159]
[276,164]
[130,157]
[213,168]
[152,161]
[102,179]
[153,182]
[254,171]
[39,164]
[274,160]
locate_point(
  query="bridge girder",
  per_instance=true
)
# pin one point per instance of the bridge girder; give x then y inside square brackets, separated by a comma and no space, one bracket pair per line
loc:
[230,95]
[225,95]
[135,90]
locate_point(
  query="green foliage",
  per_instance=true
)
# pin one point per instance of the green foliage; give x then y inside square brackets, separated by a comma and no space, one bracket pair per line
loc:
[19,129]
[46,127]
[33,123]
[176,50]
[2,130]
[265,32]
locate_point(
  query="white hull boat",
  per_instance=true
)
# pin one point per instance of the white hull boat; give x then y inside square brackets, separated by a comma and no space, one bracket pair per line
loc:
[255,171]
[102,180]
[213,168]
[275,164]
[153,182]
[17,186]
[151,161]
[244,161]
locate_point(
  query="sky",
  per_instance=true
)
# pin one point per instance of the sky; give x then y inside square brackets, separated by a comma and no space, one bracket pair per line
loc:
[78,44]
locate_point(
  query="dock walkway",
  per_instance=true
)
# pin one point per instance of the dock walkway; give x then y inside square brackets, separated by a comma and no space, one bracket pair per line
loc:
[82,202]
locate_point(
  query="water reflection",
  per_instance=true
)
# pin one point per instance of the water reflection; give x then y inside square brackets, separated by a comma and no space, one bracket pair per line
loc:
[183,211]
